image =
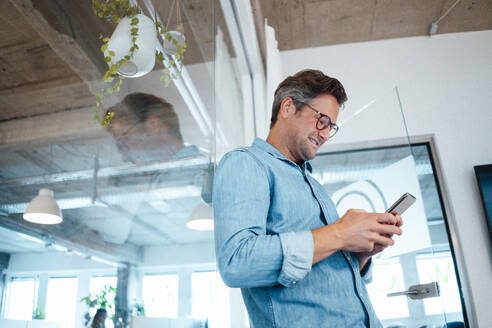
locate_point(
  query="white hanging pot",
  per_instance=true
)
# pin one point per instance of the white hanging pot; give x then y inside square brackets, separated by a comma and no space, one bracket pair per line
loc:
[143,59]
[169,47]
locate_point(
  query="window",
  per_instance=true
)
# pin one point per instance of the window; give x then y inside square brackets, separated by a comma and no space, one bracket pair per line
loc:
[62,300]
[160,295]
[388,278]
[441,270]
[22,298]
[209,297]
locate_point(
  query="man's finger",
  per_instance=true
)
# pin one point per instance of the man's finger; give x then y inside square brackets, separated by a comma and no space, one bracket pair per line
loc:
[387,218]
[383,241]
[388,229]
[399,220]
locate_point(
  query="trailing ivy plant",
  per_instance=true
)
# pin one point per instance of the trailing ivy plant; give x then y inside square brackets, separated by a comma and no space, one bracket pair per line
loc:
[114,11]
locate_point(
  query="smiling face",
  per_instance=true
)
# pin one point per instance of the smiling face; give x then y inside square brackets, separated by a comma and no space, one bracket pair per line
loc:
[303,138]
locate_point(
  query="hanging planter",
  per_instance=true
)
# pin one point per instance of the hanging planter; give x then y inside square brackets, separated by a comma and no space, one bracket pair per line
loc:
[143,59]
[131,50]
[169,46]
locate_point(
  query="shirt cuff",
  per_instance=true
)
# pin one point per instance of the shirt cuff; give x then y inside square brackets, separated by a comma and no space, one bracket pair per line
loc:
[298,250]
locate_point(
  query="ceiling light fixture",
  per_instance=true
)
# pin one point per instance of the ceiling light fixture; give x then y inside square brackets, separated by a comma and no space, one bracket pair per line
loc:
[43,209]
[201,218]
[434,25]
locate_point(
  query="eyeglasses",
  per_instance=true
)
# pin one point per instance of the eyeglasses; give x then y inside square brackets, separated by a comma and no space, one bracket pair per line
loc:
[123,139]
[324,121]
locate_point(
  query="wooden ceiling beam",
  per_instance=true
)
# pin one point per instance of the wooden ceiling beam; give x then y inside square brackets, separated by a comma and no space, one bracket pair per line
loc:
[71,30]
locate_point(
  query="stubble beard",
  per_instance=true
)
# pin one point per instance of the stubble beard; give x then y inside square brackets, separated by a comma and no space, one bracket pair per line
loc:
[306,149]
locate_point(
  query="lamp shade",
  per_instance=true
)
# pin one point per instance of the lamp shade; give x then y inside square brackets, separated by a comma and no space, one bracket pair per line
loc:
[201,218]
[143,59]
[43,209]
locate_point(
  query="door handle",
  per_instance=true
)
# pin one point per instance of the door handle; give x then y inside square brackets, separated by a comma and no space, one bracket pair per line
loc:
[418,292]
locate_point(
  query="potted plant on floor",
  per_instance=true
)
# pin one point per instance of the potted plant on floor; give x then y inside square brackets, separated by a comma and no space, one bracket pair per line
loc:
[38,314]
[131,50]
[103,300]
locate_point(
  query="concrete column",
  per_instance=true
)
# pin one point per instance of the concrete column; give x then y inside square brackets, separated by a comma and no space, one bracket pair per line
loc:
[126,292]
[42,291]
[184,293]
[4,264]
[82,291]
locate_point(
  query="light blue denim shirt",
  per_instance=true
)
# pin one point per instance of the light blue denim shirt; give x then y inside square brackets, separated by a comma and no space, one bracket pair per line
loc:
[265,207]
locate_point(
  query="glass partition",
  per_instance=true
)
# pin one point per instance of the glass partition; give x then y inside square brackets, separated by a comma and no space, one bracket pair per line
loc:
[368,165]
[135,194]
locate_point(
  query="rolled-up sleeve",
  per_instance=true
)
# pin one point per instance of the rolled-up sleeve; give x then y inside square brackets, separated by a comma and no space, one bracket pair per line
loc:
[297,249]
[246,255]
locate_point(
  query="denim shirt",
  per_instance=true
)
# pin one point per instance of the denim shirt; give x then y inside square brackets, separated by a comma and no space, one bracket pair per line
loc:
[265,207]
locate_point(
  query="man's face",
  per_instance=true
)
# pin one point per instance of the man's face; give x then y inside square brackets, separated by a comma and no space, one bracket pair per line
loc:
[137,145]
[304,138]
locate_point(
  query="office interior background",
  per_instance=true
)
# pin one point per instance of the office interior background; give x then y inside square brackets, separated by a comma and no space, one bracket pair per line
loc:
[418,75]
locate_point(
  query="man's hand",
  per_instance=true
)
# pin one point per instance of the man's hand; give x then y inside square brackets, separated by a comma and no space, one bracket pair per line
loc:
[357,231]
[361,231]
[364,257]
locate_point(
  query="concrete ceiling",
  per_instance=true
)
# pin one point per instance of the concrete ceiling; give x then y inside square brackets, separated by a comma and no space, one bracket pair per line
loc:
[315,23]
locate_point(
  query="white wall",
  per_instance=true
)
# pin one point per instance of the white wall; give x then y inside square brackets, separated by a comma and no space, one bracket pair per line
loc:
[445,84]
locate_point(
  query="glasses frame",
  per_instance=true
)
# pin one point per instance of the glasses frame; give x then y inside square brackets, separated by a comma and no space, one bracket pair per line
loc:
[333,126]
[122,140]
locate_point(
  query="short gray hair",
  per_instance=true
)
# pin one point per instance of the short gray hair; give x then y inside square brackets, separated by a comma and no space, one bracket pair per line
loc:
[304,86]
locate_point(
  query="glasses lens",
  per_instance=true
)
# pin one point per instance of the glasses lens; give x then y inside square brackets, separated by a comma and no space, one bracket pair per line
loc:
[323,122]
[333,130]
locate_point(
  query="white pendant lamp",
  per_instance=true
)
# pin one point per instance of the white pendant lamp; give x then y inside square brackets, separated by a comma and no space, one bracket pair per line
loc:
[43,209]
[143,60]
[201,218]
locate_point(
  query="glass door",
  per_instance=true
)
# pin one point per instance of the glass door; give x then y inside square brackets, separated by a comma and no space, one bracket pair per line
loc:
[369,165]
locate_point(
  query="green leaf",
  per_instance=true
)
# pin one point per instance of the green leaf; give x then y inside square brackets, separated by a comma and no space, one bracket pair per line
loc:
[111,53]
[105,40]
[107,59]
[104,47]
[134,21]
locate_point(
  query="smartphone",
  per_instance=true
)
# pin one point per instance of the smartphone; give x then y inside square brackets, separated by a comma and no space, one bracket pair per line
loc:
[402,204]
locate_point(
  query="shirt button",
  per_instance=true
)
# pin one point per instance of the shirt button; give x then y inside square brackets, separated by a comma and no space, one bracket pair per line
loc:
[294,282]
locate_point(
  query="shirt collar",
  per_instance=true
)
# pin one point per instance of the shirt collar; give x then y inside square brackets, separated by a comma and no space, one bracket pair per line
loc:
[263,145]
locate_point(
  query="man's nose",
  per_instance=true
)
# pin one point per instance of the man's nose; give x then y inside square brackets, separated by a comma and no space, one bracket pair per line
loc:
[324,134]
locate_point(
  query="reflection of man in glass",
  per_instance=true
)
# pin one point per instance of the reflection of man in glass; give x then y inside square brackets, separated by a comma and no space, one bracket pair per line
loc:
[146,128]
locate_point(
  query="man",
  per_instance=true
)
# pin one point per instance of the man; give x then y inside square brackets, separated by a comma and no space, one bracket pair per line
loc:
[277,233]
[146,129]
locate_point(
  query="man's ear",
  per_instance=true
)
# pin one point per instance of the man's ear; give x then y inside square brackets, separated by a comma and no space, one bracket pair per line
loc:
[287,108]
[153,124]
